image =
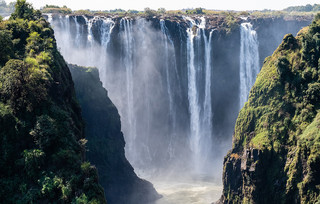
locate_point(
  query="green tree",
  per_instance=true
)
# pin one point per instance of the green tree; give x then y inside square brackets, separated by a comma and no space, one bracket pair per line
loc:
[6,51]
[162,10]
[149,12]
[25,10]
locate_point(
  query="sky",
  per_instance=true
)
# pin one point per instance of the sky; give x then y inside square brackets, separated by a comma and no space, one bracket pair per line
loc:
[173,4]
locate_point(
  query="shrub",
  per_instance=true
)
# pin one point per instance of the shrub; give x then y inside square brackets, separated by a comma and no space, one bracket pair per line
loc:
[33,159]
[149,12]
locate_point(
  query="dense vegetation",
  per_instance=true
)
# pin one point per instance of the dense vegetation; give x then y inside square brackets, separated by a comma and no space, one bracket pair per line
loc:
[306,8]
[42,144]
[56,9]
[276,146]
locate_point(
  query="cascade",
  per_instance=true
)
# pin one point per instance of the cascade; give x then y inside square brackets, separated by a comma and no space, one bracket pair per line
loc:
[174,82]
[160,81]
[105,36]
[172,111]
[78,34]
[249,60]
[193,94]
[206,127]
[200,110]
[106,30]
[49,17]
[89,26]
[128,61]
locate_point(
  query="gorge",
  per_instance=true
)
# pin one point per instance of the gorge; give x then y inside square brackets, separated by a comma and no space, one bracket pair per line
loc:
[159,107]
[178,82]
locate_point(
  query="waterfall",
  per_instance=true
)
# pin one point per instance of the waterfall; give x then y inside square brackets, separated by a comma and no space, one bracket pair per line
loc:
[200,111]
[127,58]
[106,30]
[160,83]
[89,27]
[78,34]
[49,17]
[207,106]
[192,92]
[249,60]
[172,111]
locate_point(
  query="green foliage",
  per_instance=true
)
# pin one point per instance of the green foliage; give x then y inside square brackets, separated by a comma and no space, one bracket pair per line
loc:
[42,141]
[22,86]
[161,10]
[281,119]
[33,160]
[6,51]
[83,12]
[306,8]
[25,10]
[195,11]
[56,9]
[149,12]
[231,23]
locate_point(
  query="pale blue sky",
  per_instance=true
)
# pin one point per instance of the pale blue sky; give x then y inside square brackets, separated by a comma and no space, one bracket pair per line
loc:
[173,4]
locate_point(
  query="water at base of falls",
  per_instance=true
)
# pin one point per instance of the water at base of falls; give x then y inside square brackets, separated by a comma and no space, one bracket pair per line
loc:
[182,191]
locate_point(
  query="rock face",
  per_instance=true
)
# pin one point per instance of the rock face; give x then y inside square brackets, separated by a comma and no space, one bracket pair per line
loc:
[275,156]
[106,142]
[42,141]
[148,58]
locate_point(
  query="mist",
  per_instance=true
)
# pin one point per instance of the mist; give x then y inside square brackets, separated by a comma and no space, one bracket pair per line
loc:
[177,86]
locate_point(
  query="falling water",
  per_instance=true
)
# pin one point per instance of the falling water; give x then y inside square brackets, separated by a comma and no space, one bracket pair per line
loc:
[106,30]
[192,93]
[249,60]
[206,142]
[172,111]
[49,17]
[105,37]
[127,55]
[77,39]
[200,111]
[159,105]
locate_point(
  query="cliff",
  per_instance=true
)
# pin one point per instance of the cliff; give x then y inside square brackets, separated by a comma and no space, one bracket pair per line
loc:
[150,59]
[275,154]
[106,142]
[42,151]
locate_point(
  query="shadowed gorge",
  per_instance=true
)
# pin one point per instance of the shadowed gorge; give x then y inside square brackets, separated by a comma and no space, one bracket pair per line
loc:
[105,141]
[159,107]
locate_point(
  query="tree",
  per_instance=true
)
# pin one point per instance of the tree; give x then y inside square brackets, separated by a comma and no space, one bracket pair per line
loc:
[199,11]
[6,51]
[149,12]
[25,10]
[162,10]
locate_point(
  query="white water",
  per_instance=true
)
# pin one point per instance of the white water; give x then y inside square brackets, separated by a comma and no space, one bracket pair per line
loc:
[249,60]
[127,57]
[187,192]
[193,95]
[172,106]
[135,88]
[206,142]
[200,113]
